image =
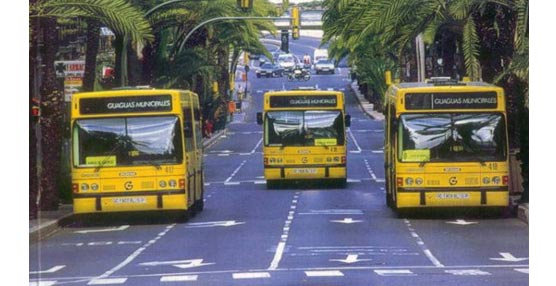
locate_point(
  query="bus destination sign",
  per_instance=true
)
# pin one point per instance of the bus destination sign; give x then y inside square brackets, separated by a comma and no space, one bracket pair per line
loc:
[127,104]
[452,100]
[303,101]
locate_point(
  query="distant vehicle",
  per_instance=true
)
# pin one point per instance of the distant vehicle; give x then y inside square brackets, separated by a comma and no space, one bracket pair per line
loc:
[324,66]
[254,56]
[263,60]
[320,54]
[270,70]
[304,136]
[286,61]
[299,74]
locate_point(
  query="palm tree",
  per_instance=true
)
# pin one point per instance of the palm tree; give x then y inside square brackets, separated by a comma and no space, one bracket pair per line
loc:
[119,16]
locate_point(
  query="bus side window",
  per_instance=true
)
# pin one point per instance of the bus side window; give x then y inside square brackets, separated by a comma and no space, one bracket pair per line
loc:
[188,129]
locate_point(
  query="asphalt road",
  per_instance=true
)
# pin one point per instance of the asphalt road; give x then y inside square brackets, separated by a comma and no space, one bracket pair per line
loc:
[304,235]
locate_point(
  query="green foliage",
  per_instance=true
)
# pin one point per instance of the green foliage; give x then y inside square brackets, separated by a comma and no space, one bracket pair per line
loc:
[119,15]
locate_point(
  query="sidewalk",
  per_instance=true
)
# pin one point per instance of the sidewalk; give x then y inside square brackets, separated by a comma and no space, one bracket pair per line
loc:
[47,222]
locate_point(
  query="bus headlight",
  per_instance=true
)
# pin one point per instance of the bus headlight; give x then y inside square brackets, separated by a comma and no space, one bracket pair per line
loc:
[496,180]
[84,187]
[409,181]
[172,183]
[162,184]
[419,181]
[94,187]
[486,180]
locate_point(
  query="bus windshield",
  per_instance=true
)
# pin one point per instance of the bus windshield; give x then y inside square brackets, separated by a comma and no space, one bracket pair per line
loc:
[129,141]
[304,128]
[448,137]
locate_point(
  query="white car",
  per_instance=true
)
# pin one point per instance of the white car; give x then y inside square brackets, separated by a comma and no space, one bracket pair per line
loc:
[286,61]
[324,66]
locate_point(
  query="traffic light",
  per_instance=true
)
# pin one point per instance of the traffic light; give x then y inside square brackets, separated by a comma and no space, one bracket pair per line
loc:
[295,22]
[245,4]
[285,44]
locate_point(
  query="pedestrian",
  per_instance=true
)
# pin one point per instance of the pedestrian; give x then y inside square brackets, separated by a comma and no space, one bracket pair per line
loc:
[208,128]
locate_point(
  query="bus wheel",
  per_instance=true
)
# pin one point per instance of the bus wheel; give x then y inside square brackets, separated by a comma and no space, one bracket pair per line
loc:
[272,184]
[200,203]
[341,183]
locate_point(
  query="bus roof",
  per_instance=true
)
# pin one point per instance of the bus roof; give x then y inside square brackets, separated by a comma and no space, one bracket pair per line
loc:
[303,92]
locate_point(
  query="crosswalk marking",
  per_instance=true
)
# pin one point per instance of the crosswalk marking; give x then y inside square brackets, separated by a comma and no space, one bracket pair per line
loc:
[178,278]
[467,272]
[42,283]
[330,273]
[395,272]
[251,275]
[107,281]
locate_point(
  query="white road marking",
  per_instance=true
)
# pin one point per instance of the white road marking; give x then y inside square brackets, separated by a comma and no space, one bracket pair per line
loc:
[285,232]
[394,272]
[354,141]
[257,146]
[42,283]
[251,275]
[123,227]
[106,281]
[326,273]
[134,255]
[467,272]
[522,270]
[347,220]
[178,278]
[51,270]
[234,173]
[508,257]
[421,244]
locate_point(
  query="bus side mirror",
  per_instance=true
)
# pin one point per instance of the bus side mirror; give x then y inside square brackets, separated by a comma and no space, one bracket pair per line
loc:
[348,120]
[260,118]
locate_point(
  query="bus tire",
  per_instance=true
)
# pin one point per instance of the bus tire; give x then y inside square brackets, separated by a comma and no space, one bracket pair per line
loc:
[272,184]
[341,183]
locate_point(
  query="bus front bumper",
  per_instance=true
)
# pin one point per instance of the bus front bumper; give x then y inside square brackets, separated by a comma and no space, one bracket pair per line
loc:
[304,172]
[125,202]
[411,198]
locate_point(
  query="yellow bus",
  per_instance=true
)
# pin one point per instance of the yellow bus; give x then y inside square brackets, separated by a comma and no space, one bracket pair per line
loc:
[136,150]
[446,145]
[304,136]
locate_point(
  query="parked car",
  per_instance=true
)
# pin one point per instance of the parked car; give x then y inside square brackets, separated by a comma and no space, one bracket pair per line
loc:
[324,66]
[270,70]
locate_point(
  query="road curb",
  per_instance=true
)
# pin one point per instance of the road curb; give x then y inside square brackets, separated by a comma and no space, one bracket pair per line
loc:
[367,107]
[523,212]
[48,227]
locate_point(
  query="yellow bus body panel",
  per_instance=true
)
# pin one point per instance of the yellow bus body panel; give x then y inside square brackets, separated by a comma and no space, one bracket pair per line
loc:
[136,188]
[447,184]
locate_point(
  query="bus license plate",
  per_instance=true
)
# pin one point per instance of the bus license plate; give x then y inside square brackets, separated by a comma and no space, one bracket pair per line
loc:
[452,196]
[304,171]
[136,200]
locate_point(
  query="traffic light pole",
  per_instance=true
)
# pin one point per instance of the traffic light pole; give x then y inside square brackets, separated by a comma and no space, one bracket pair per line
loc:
[224,19]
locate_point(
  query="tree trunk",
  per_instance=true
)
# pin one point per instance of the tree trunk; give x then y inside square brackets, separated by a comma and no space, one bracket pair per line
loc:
[51,121]
[93,36]
[33,92]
